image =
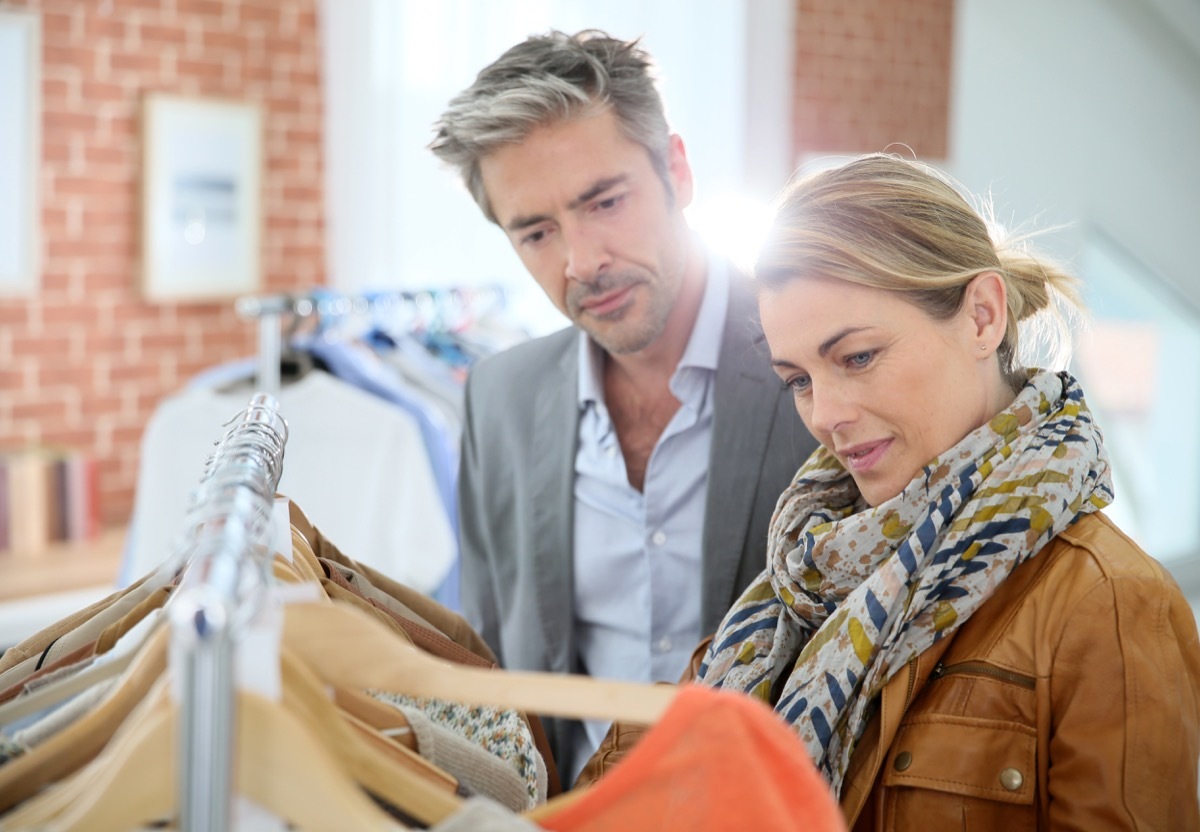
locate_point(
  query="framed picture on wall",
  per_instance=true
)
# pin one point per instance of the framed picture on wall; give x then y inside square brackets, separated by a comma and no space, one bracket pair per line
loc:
[20,150]
[201,198]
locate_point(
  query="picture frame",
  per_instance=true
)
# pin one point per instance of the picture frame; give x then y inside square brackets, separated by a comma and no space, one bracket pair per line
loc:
[201,198]
[20,152]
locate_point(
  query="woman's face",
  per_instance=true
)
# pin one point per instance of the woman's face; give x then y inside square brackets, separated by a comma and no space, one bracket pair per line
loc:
[879,382]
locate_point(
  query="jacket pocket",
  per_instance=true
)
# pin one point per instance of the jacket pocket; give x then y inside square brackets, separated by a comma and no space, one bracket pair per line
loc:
[953,772]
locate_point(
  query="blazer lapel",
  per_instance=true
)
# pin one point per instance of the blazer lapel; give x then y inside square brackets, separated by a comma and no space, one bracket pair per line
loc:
[746,400]
[553,444]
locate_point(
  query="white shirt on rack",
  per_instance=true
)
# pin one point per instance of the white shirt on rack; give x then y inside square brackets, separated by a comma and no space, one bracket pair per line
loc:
[354,463]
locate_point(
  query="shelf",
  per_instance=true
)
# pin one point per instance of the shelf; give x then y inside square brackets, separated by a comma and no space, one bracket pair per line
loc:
[62,567]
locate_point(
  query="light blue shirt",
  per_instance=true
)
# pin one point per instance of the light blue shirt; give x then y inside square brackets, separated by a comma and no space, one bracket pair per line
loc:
[637,570]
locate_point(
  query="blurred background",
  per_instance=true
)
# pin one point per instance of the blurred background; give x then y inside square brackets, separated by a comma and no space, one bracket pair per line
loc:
[1078,115]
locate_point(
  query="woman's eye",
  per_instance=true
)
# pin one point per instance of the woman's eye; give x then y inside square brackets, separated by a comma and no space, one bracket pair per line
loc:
[860,359]
[798,384]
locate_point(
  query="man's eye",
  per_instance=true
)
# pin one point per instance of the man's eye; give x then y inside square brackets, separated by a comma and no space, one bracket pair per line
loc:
[535,237]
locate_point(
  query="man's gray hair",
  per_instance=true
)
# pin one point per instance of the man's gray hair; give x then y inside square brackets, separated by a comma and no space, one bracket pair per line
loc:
[545,79]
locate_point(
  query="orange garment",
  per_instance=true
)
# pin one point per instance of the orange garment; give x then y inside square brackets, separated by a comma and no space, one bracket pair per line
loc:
[717,760]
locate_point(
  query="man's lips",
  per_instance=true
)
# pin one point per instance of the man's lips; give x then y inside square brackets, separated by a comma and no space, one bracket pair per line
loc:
[608,302]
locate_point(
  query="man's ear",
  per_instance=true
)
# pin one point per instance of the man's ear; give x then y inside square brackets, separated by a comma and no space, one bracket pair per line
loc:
[679,172]
[986,306]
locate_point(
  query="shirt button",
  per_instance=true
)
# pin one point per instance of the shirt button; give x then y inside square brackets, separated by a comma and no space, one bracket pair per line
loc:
[663,645]
[659,538]
[611,452]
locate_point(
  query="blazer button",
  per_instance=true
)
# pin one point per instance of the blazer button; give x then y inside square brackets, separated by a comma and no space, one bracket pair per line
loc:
[903,760]
[1011,779]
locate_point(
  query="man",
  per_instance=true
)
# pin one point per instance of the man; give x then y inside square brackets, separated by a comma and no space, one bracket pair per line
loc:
[618,476]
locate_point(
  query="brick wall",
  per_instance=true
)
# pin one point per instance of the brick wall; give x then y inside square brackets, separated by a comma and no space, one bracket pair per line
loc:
[870,73]
[85,362]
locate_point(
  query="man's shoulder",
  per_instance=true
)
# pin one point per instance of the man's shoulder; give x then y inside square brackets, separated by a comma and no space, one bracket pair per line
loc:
[516,371]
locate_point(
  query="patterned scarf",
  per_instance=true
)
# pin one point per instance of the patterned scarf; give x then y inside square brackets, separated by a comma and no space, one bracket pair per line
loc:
[852,593]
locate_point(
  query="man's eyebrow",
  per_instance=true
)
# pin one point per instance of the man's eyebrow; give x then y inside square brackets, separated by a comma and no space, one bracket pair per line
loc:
[519,222]
[597,189]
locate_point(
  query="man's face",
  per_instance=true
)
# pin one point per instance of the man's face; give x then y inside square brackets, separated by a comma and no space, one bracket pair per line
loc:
[595,225]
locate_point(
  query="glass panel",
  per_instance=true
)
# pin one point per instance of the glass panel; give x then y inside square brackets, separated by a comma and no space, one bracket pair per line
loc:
[1140,367]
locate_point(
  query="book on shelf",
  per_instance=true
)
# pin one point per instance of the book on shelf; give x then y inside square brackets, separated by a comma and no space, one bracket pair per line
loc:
[47,496]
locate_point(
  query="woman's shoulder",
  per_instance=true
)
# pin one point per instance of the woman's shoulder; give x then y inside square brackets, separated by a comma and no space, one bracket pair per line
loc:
[1096,544]
[1091,566]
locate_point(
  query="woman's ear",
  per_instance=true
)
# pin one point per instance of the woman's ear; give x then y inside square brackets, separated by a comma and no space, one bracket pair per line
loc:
[985,303]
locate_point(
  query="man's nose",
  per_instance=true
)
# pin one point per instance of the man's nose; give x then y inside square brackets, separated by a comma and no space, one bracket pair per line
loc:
[587,256]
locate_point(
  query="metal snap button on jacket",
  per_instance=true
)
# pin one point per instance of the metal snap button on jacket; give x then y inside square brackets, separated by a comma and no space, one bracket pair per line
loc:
[1011,779]
[903,760]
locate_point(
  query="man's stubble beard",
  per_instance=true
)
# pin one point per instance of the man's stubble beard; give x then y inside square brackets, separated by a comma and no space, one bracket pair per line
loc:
[623,336]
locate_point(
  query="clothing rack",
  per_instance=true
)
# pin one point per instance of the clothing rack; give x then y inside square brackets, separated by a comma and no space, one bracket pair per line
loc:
[430,308]
[228,524]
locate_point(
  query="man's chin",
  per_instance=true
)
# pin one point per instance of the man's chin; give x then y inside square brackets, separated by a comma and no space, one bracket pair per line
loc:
[621,338]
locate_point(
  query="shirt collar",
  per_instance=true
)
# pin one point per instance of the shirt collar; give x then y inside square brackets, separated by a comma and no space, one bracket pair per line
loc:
[703,348]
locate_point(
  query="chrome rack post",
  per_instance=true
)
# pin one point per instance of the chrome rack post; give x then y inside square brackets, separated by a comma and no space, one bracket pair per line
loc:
[228,521]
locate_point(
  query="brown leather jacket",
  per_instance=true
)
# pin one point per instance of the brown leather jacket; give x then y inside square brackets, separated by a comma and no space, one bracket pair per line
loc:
[1069,701]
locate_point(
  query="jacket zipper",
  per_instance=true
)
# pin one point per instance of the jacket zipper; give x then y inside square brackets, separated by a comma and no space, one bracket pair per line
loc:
[983,669]
[912,681]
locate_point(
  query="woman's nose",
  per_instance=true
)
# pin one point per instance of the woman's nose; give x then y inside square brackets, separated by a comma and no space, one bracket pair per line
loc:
[831,408]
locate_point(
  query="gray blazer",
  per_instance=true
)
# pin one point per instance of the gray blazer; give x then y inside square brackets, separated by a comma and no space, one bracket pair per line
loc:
[516,494]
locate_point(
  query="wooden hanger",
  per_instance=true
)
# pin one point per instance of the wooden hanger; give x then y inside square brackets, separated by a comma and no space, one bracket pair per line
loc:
[369,710]
[346,647]
[48,695]
[403,756]
[82,740]
[304,559]
[50,804]
[298,759]
[281,766]
[51,693]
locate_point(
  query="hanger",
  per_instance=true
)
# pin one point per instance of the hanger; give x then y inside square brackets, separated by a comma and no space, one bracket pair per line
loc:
[384,767]
[281,766]
[82,740]
[298,758]
[344,646]
[370,711]
[403,755]
[51,693]
[79,742]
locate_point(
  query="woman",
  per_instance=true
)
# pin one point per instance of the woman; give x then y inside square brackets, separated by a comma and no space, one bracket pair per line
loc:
[956,633]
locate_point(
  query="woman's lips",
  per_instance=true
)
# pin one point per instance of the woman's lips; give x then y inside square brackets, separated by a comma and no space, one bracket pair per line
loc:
[863,457]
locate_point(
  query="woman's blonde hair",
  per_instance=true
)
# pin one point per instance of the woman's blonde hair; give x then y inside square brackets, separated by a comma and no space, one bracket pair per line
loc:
[903,226]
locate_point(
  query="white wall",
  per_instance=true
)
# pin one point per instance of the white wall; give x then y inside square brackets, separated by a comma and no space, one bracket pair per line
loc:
[1084,111]
[1087,113]
[398,219]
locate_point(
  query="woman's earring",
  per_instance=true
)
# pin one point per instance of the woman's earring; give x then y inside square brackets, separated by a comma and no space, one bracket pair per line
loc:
[983,346]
